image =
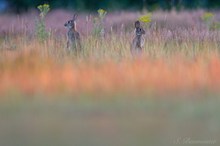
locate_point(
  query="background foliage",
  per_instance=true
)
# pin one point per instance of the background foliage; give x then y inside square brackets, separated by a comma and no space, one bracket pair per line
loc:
[91,5]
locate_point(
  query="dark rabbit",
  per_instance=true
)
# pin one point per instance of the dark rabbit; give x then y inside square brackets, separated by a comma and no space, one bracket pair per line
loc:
[138,41]
[73,37]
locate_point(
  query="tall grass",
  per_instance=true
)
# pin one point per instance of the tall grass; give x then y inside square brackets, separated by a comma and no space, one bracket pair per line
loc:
[178,59]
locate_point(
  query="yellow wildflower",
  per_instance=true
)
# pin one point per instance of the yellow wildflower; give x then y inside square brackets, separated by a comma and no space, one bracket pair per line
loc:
[146,18]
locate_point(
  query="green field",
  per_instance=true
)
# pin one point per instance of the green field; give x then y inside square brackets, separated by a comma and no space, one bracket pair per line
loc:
[122,121]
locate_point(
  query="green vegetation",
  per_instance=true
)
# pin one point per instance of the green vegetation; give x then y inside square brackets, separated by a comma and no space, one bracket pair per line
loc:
[99,30]
[92,5]
[155,121]
[209,20]
[41,32]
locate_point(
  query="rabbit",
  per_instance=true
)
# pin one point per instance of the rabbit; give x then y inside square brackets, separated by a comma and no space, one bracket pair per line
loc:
[73,37]
[138,41]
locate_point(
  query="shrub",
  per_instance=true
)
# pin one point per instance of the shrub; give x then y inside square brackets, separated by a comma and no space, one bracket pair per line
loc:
[41,32]
[208,19]
[99,29]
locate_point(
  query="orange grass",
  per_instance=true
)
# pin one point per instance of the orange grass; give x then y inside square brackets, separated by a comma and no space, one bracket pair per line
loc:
[181,59]
[29,74]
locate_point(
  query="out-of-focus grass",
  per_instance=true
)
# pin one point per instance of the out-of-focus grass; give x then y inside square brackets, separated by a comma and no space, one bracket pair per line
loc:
[106,97]
[172,61]
[143,121]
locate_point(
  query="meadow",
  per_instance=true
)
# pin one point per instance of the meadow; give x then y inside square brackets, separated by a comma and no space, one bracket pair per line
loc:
[104,96]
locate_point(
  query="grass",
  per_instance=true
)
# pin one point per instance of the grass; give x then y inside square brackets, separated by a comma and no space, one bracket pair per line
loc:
[104,96]
[168,64]
[120,122]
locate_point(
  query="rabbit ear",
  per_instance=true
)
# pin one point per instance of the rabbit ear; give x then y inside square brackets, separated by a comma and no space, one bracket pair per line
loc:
[137,24]
[75,16]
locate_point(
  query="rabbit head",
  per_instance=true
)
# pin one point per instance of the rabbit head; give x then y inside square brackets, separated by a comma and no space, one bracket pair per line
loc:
[138,29]
[71,24]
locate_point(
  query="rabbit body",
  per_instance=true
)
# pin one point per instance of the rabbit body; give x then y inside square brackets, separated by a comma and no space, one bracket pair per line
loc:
[73,37]
[138,41]
[73,40]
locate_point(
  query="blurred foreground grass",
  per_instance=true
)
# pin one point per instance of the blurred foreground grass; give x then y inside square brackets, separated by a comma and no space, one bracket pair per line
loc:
[122,121]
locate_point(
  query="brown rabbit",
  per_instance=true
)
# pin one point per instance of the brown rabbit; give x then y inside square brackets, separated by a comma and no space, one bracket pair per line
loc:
[138,41]
[73,37]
